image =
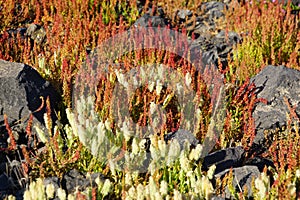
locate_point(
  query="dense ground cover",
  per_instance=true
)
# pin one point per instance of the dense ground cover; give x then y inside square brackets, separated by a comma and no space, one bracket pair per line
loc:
[73,28]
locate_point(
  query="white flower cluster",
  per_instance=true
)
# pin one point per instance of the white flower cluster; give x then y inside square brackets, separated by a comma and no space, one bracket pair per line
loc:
[162,154]
[92,132]
[37,190]
[156,77]
[199,187]
[262,184]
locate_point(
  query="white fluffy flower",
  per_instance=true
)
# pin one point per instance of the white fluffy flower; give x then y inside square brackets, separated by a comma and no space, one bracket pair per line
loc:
[188,79]
[152,185]
[121,78]
[71,197]
[157,196]
[50,190]
[151,85]
[27,195]
[298,173]
[135,147]
[211,171]
[177,195]
[128,179]
[179,88]
[140,191]
[163,187]
[158,87]
[107,125]
[142,144]
[184,162]
[70,117]
[126,131]
[131,194]
[196,152]
[206,187]
[262,184]
[174,152]
[162,146]
[153,107]
[61,193]
[106,187]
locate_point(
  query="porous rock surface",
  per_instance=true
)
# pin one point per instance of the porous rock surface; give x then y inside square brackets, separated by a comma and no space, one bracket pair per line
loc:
[21,89]
[242,179]
[214,48]
[274,84]
[21,92]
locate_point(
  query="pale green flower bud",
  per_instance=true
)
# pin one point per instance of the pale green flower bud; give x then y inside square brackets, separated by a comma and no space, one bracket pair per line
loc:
[292,189]
[41,134]
[106,187]
[211,171]
[48,122]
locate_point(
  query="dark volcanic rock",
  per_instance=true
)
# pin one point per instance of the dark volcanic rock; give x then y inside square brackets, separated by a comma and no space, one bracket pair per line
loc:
[73,180]
[150,20]
[242,178]
[214,9]
[224,159]
[274,83]
[5,183]
[181,136]
[261,163]
[20,90]
[215,49]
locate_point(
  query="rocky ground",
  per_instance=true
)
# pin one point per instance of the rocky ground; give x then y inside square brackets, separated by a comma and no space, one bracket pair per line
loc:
[21,87]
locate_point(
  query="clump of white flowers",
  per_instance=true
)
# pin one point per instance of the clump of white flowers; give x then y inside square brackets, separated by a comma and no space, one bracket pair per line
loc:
[262,184]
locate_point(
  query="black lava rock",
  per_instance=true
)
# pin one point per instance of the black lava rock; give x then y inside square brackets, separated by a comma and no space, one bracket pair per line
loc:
[274,83]
[224,159]
[242,179]
[21,89]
